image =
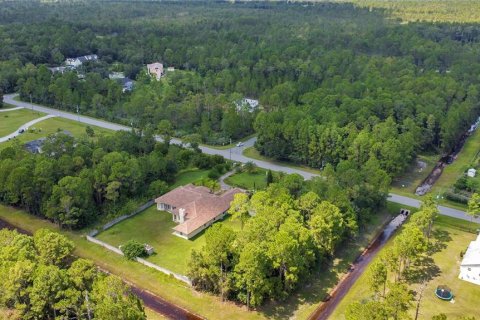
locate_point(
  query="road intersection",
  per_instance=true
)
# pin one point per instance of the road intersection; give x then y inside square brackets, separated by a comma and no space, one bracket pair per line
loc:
[234,153]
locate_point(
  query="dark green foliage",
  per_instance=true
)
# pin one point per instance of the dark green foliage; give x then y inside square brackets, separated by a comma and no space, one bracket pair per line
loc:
[41,279]
[133,249]
[75,181]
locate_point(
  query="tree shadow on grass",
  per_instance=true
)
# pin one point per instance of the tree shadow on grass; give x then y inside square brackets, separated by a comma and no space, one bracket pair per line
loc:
[423,269]
[439,240]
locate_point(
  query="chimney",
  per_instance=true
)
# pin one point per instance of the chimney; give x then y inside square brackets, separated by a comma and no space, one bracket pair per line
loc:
[181,215]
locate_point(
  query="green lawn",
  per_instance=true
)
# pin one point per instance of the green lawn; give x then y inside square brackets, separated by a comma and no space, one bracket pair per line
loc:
[249,181]
[254,154]
[189,176]
[172,252]
[12,120]
[451,240]
[52,125]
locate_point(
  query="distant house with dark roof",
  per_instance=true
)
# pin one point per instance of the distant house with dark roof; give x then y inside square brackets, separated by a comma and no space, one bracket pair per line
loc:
[195,208]
[35,146]
[78,61]
[126,83]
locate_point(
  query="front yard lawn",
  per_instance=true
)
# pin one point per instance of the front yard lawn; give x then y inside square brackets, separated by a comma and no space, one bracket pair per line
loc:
[189,176]
[12,120]
[249,181]
[155,228]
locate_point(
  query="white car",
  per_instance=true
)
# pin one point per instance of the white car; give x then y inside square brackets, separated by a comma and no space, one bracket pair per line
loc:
[240,144]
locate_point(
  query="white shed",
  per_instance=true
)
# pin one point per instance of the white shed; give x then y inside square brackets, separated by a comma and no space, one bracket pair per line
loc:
[471,172]
[470,266]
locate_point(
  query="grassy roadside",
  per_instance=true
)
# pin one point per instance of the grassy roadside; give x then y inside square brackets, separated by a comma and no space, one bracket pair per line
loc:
[53,125]
[12,120]
[253,153]
[451,237]
[230,145]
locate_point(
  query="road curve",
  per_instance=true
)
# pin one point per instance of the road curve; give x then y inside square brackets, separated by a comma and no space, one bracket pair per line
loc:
[235,153]
[24,127]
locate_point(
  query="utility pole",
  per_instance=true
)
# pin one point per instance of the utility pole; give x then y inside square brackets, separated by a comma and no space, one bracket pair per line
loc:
[88,306]
[78,113]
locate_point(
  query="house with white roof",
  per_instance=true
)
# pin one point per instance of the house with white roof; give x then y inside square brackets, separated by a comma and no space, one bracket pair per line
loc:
[470,266]
[78,61]
[247,104]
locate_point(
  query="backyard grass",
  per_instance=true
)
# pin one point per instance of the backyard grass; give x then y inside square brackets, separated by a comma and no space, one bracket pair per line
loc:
[209,306]
[171,252]
[52,125]
[12,120]
[249,181]
[189,176]
[254,154]
[451,239]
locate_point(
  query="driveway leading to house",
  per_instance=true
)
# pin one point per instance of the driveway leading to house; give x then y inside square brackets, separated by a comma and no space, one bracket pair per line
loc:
[11,109]
[24,127]
[234,154]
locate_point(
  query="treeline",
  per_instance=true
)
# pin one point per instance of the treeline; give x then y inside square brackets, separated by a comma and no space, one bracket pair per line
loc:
[289,230]
[340,69]
[74,182]
[41,279]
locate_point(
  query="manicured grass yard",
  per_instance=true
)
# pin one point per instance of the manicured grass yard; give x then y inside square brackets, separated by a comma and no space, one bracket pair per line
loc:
[451,238]
[12,120]
[249,181]
[52,125]
[155,228]
[189,176]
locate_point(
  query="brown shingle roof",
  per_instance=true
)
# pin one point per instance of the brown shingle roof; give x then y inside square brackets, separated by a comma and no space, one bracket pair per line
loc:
[199,203]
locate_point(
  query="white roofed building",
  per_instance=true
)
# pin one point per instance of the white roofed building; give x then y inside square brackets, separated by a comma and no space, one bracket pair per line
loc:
[470,266]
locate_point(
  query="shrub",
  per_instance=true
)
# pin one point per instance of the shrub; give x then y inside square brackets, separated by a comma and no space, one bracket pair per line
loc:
[456,197]
[133,249]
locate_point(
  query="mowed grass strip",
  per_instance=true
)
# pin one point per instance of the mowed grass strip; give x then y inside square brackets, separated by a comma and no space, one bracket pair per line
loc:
[209,306]
[53,125]
[450,237]
[12,120]
[249,181]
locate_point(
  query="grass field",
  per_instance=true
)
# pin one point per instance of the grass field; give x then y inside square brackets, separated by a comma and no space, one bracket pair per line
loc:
[52,125]
[12,120]
[172,252]
[189,176]
[450,237]
[249,181]
[254,154]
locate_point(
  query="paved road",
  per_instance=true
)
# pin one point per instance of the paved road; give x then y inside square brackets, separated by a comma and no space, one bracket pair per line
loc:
[234,153]
[24,127]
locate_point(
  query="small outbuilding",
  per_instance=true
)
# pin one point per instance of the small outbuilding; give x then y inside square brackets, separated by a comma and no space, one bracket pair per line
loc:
[148,249]
[471,172]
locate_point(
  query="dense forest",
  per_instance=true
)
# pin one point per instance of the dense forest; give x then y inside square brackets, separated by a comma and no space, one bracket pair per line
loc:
[41,279]
[334,81]
[75,182]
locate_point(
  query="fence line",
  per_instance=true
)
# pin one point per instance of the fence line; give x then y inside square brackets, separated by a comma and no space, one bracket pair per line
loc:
[142,261]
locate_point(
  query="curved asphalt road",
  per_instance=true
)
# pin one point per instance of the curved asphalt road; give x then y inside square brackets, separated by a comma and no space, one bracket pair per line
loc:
[24,127]
[234,153]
